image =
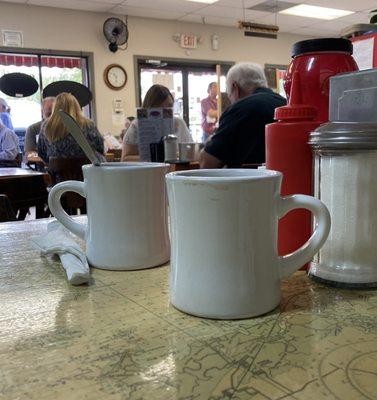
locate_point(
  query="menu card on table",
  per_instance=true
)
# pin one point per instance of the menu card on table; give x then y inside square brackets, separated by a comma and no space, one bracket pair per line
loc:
[153,124]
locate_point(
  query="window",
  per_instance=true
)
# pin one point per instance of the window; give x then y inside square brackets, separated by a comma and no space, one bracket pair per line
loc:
[45,68]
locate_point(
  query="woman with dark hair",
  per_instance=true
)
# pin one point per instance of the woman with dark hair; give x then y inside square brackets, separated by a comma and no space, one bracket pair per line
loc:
[157,96]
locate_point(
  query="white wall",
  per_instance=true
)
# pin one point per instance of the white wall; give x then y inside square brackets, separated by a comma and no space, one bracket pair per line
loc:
[57,29]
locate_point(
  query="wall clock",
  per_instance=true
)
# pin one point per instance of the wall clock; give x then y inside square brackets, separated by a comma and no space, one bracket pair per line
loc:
[115,76]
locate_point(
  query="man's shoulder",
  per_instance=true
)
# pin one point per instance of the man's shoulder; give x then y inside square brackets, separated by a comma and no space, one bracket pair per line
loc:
[35,126]
[263,95]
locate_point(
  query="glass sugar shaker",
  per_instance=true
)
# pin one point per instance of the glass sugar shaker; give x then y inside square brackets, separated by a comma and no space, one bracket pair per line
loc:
[345,179]
[171,148]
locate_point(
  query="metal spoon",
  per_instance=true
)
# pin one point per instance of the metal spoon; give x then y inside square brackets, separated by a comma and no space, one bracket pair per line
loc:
[75,130]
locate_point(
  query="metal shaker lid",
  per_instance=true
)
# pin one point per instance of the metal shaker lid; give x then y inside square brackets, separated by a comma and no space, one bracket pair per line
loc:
[344,135]
[170,138]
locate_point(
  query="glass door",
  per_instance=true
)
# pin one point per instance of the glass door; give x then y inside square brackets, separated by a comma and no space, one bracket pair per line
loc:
[171,78]
[198,82]
[188,82]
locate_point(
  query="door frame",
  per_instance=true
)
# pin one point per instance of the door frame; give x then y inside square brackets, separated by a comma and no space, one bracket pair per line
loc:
[177,63]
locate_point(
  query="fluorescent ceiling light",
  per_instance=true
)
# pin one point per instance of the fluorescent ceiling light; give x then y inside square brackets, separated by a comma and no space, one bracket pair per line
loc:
[305,10]
[204,1]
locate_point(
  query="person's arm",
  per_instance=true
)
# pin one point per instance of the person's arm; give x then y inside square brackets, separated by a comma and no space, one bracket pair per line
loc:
[7,121]
[207,127]
[130,148]
[9,146]
[206,160]
[130,152]
[31,139]
[182,132]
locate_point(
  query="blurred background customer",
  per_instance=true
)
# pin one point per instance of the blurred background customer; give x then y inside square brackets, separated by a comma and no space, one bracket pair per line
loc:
[33,130]
[5,117]
[55,140]
[157,96]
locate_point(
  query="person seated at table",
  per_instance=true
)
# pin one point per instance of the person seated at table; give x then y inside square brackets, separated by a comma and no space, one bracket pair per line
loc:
[9,144]
[5,117]
[157,96]
[33,130]
[240,137]
[55,140]
[127,124]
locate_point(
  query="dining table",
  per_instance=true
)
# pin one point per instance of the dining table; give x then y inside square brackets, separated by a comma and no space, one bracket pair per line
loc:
[25,188]
[118,337]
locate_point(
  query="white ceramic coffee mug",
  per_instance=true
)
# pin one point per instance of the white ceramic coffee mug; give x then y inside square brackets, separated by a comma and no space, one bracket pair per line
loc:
[127,214]
[224,261]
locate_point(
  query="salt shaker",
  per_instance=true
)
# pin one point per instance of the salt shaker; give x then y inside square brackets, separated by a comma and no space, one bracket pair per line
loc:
[345,179]
[171,148]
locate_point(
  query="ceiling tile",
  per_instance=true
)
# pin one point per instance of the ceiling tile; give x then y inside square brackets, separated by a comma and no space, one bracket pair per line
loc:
[165,5]
[141,12]
[357,18]
[221,21]
[192,18]
[314,33]
[290,20]
[331,26]
[238,3]
[351,5]
[221,12]
[73,4]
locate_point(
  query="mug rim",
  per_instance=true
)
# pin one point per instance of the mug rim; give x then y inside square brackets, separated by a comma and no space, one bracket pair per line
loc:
[223,175]
[130,165]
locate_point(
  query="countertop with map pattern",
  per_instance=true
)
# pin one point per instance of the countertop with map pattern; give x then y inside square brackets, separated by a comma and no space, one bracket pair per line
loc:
[118,337]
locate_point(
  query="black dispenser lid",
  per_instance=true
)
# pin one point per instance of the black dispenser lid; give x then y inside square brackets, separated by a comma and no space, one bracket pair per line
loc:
[323,44]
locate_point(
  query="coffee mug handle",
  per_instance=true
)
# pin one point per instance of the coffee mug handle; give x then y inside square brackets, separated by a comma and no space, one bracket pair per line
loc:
[292,262]
[57,210]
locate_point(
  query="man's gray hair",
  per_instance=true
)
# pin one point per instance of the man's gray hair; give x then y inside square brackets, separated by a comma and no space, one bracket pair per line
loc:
[247,75]
[47,99]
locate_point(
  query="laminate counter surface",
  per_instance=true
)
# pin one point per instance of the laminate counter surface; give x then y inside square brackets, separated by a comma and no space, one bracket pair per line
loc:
[118,337]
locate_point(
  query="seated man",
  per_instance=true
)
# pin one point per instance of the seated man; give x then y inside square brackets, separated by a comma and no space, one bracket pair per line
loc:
[5,114]
[240,137]
[9,147]
[33,131]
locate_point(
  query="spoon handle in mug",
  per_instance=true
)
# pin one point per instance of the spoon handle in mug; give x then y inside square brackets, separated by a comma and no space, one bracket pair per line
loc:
[290,263]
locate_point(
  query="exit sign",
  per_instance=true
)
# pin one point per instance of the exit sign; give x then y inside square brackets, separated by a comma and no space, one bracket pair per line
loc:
[189,41]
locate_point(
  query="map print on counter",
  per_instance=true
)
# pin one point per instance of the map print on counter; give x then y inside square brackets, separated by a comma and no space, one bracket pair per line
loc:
[118,338]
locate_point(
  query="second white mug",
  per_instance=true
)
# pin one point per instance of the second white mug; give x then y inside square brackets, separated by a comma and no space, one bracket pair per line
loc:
[224,261]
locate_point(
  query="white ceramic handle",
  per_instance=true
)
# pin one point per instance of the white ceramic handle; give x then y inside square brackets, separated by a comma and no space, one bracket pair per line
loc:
[57,210]
[292,262]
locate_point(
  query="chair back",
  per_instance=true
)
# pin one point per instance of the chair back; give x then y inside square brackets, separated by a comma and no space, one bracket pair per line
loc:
[6,210]
[65,169]
[12,163]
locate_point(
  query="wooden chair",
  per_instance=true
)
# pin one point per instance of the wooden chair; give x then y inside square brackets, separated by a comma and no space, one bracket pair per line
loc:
[64,169]
[12,163]
[117,154]
[23,193]
[6,210]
